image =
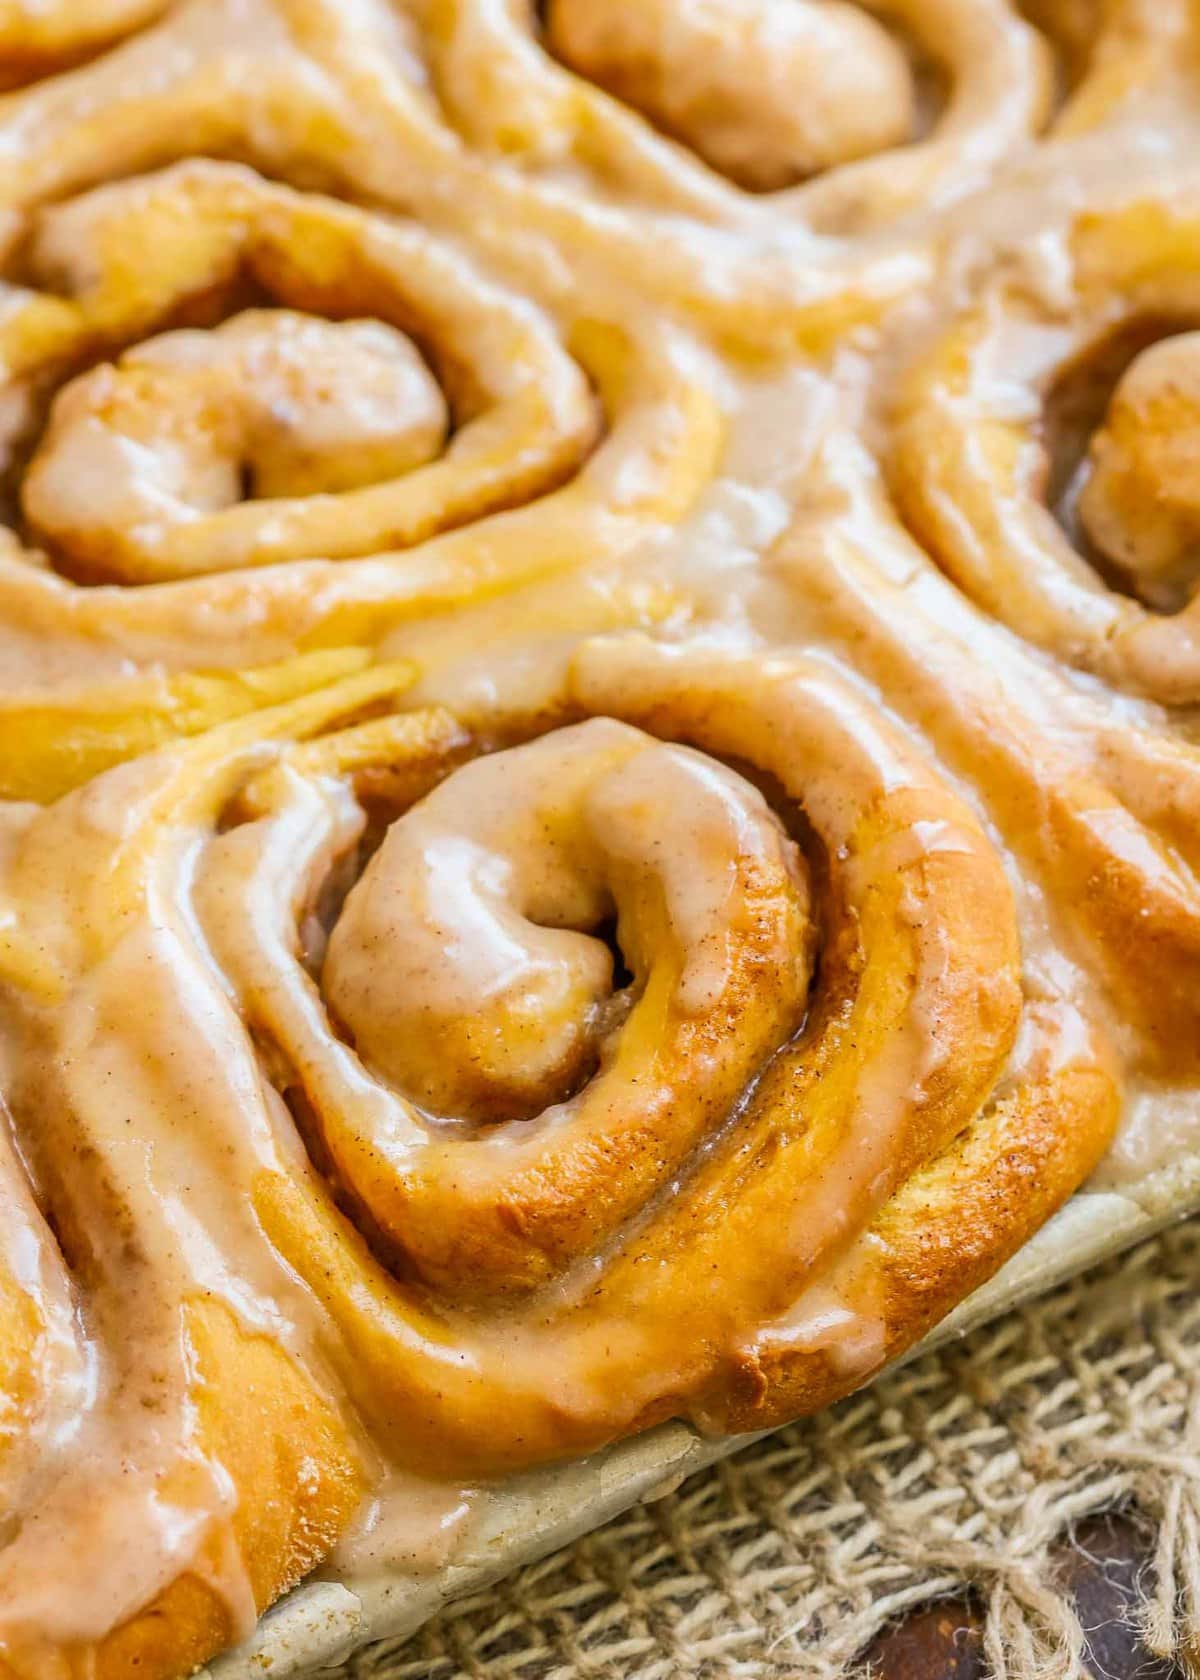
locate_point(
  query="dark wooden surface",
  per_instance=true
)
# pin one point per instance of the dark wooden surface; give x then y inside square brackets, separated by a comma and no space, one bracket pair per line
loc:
[1105,1565]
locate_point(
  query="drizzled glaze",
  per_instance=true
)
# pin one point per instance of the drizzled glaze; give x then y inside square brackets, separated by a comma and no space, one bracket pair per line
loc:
[471,1041]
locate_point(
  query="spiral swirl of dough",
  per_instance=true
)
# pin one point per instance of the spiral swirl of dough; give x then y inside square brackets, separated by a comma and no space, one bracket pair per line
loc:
[624,1196]
[336,427]
[1090,555]
[767,97]
[384,431]
[816,103]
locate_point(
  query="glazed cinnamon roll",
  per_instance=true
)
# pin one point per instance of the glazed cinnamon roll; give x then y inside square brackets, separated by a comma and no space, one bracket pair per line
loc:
[320,410]
[292,382]
[1042,450]
[545,1076]
[843,112]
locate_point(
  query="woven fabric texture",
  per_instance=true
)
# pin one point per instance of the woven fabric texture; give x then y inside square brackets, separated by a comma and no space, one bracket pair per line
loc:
[959,1470]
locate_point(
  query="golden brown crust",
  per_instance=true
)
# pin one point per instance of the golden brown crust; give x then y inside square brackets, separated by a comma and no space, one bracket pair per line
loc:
[944,1233]
[298,1480]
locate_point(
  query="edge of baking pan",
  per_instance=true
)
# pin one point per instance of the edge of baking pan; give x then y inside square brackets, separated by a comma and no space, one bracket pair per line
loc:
[322,1622]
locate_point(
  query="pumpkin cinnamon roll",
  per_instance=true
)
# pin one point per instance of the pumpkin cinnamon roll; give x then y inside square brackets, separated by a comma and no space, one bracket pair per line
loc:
[842,113]
[247,417]
[504,1082]
[1042,450]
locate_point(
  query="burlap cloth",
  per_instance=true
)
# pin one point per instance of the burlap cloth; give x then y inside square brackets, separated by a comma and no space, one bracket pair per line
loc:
[959,1470]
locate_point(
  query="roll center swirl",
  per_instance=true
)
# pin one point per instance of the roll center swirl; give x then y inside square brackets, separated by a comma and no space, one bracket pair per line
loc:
[273,401]
[1140,502]
[768,94]
[464,963]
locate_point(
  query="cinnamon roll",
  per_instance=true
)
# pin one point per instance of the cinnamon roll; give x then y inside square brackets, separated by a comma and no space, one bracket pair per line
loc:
[356,422]
[1041,451]
[830,106]
[459,1175]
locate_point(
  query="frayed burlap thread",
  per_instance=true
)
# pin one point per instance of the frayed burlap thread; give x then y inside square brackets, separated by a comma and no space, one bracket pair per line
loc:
[957,1473]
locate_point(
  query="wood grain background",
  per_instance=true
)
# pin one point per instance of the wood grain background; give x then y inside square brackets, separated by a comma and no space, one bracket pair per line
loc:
[1106,1564]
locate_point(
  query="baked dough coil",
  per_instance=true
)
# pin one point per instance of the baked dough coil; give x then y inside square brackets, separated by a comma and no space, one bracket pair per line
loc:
[248,418]
[1042,451]
[318,407]
[840,114]
[1102,818]
[502,1085]
[98,89]
[821,104]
